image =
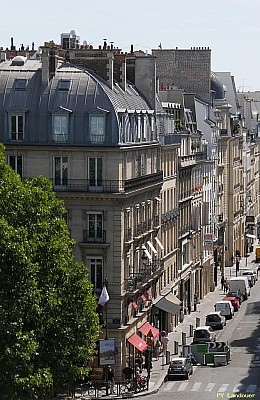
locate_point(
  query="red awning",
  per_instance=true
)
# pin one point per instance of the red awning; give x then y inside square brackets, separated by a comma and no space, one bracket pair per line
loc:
[146,328]
[137,342]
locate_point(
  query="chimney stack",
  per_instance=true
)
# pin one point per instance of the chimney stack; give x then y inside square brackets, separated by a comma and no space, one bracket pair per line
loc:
[12,44]
[49,64]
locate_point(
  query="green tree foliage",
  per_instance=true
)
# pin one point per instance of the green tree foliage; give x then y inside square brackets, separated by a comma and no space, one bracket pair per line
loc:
[48,320]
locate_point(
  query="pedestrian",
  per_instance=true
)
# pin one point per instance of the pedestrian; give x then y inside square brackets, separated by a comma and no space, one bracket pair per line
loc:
[111,379]
[222,282]
[189,308]
[225,285]
[165,341]
[157,349]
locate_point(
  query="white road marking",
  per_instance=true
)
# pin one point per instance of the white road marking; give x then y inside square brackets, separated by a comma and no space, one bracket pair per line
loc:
[209,387]
[223,388]
[196,386]
[251,389]
[237,388]
[182,386]
[169,386]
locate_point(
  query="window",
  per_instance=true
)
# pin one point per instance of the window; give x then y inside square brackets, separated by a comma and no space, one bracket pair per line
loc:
[95,266]
[95,226]
[20,84]
[60,171]
[16,162]
[97,128]
[95,171]
[60,128]
[140,164]
[17,126]
[64,84]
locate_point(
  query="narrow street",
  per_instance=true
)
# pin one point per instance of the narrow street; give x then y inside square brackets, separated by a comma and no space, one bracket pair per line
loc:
[239,379]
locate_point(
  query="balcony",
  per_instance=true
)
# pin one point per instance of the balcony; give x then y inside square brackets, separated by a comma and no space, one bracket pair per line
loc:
[109,186]
[170,216]
[185,230]
[94,236]
[128,234]
[141,277]
[143,227]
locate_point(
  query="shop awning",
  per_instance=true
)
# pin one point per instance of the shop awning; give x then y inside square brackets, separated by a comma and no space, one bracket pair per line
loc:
[145,328]
[137,342]
[169,303]
[250,236]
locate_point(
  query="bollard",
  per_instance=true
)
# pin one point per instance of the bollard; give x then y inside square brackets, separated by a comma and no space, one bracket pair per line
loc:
[168,356]
[191,330]
[197,322]
[183,337]
[176,347]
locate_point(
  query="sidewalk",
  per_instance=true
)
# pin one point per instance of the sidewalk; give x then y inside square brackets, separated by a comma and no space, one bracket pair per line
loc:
[159,370]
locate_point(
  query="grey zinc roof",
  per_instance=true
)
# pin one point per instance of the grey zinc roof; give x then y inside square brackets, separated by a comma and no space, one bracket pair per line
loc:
[87,93]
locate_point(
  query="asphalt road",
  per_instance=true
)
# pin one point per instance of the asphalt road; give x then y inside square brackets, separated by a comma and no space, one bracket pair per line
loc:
[241,377]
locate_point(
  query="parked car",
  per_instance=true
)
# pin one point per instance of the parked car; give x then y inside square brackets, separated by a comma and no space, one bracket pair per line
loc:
[225,307]
[240,283]
[251,277]
[204,334]
[234,301]
[180,366]
[216,320]
[236,294]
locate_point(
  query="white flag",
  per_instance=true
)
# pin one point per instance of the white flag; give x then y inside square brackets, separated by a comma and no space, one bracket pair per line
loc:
[104,297]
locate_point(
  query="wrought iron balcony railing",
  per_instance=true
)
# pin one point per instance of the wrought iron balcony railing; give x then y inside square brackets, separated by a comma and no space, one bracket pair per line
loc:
[98,236]
[141,277]
[108,186]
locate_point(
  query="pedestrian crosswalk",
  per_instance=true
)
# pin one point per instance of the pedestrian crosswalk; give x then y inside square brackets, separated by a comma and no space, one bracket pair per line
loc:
[181,386]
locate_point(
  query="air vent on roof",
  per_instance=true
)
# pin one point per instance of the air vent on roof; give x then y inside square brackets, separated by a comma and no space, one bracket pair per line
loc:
[18,60]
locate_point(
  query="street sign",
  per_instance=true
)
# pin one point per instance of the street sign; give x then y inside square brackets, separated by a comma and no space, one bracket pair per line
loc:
[216,345]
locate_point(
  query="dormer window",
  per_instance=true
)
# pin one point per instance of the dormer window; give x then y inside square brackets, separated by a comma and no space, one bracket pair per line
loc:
[17,126]
[64,84]
[20,84]
[61,124]
[60,127]
[97,127]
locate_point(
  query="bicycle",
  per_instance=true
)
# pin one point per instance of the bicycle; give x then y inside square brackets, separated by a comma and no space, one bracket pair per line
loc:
[86,389]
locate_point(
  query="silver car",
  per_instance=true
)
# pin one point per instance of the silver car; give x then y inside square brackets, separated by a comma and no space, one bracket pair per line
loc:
[216,320]
[204,334]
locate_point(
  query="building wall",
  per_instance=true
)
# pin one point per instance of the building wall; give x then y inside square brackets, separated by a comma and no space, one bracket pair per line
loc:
[189,70]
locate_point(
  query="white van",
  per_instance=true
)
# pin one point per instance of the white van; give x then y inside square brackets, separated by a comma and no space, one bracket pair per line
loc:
[225,307]
[240,284]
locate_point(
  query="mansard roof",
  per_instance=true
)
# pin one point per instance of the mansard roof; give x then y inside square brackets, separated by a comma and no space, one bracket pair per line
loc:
[81,92]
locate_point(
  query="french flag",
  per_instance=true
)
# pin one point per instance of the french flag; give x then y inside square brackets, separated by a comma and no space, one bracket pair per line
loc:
[104,296]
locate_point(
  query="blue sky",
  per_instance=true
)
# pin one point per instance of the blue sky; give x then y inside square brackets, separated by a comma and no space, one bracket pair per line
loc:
[230,28]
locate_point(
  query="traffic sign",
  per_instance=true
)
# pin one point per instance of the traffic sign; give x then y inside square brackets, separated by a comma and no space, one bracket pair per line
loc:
[216,345]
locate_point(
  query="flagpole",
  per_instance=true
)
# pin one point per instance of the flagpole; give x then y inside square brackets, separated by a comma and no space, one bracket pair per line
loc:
[106,368]
[105,284]
[103,300]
